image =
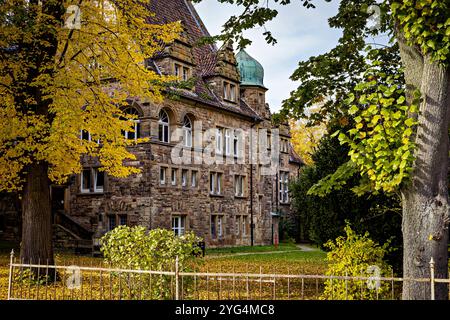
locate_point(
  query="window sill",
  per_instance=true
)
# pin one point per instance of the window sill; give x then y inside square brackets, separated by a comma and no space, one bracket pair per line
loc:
[96,193]
[216,195]
[285,203]
[240,197]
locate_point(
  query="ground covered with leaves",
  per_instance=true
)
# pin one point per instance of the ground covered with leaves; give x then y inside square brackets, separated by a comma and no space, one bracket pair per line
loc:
[284,259]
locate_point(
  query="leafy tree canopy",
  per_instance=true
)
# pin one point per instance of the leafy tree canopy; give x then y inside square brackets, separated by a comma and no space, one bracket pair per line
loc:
[62,73]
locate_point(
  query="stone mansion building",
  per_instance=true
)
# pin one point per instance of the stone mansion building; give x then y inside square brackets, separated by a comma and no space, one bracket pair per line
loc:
[227,204]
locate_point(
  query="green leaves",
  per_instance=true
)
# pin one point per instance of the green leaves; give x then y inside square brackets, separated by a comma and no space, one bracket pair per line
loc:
[135,248]
[425,24]
[380,140]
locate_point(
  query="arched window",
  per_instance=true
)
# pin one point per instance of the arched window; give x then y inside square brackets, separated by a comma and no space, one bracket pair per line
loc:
[135,134]
[187,132]
[163,126]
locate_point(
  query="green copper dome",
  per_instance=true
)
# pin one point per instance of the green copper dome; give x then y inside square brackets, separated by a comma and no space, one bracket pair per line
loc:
[252,72]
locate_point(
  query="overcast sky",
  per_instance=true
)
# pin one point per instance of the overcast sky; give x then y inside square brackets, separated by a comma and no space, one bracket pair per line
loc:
[300,32]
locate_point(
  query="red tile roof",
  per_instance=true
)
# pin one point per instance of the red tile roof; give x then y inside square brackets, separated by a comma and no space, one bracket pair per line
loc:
[205,56]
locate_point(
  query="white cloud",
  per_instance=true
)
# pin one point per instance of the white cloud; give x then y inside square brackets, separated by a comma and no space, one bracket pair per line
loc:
[300,33]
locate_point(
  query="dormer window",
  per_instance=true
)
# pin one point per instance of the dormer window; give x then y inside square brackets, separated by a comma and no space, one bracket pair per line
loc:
[182,72]
[229,91]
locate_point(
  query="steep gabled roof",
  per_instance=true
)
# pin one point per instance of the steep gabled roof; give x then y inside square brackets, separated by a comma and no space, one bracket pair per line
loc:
[205,56]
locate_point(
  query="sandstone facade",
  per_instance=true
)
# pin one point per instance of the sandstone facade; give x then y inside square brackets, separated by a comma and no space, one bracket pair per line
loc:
[251,197]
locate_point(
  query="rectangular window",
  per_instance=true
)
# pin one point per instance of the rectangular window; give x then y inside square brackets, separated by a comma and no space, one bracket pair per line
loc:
[184,177]
[236,152]
[284,186]
[260,98]
[212,183]
[85,135]
[123,220]
[185,74]
[163,133]
[178,225]
[111,222]
[162,175]
[219,183]
[99,180]
[85,180]
[194,178]
[239,185]
[227,142]
[178,69]
[220,226]
[225,90]
[244,225]
[219,141]
[215,183]
[229,91]
[213,226]
[174,176]
[232,92]
[237,225]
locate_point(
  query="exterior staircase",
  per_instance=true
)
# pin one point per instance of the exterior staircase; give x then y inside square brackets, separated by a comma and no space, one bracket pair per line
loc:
[69,234]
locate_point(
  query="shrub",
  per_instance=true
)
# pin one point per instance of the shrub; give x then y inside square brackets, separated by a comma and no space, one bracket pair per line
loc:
[134,248]
[356,256]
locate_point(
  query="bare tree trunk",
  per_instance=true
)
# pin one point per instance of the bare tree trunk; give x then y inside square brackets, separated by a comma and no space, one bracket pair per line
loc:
[425,200]
[36,245]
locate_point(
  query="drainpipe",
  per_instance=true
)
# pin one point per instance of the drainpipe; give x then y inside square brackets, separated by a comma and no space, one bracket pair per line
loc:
[251,185]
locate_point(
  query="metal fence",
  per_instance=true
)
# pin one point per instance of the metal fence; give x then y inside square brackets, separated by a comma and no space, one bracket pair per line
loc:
[70,282]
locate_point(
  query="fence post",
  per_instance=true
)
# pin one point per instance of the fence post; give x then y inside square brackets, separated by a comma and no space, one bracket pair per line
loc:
[432,278]
[11,260]
[176,279]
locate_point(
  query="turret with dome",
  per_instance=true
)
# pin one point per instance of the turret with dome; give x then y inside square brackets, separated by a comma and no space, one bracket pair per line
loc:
[253,90]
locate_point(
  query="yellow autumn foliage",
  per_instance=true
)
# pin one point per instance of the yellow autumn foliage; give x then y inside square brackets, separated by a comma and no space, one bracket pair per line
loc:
[68,66]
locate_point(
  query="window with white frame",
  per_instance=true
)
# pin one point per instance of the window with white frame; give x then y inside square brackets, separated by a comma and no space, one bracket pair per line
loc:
[163,126]
[162,175]
[213,229]
[239,185]
[219,140]
[228,142]
[174,176]
[284,186]
[182,72]
[284,145]
[244,225]
[217,226]
[237,224]
[229,91]
[187,132]
[193,178]
[184,177]
[86,135]
[85,182]
[236,144]
[215,183]
[220,226]
[178,225]
[92,180]
[99,180]
[232,92]
[134,133]
[117,220]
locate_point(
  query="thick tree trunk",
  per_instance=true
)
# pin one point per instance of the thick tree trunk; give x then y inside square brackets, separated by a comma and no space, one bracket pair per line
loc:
[425,200]
[36,245]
